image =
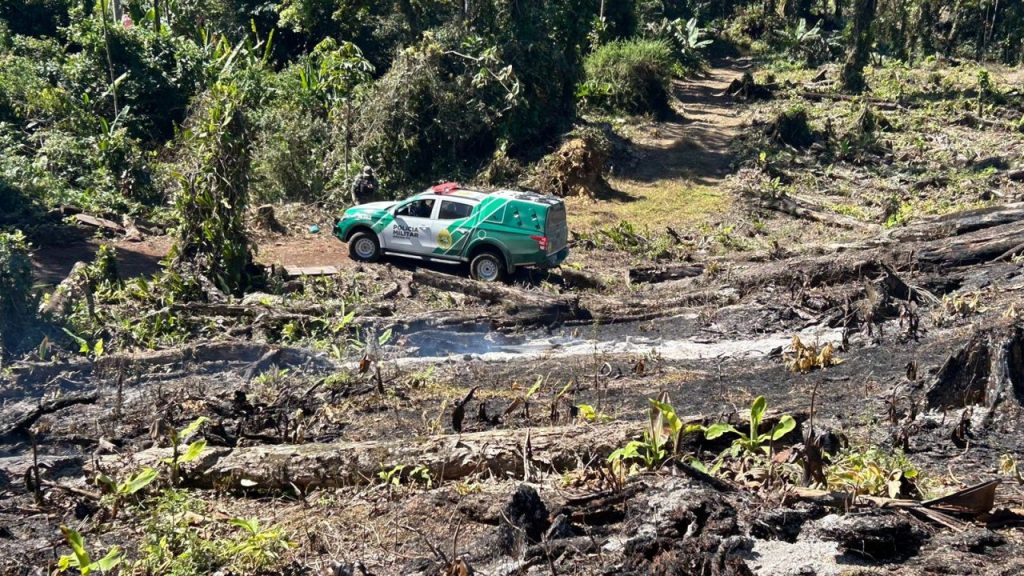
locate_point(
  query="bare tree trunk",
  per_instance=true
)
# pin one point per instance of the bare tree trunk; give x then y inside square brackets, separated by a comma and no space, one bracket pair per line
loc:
[925,33]
[110,62]
[860,51]
[156,16]
[116,8]
[953,30]
[837,12]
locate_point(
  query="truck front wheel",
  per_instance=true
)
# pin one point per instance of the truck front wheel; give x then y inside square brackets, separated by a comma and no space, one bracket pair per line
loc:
[364,247]
[487,267]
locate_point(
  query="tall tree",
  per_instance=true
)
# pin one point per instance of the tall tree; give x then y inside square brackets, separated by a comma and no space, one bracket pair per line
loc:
[861,39]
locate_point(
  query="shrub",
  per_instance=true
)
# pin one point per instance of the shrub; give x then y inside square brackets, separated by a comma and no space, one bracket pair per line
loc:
[629,76]
[158,74]
[17,302]
[293,156]
[213,196]
[435,114]
[792,127]
[304,133]
[35,17]
[689,40]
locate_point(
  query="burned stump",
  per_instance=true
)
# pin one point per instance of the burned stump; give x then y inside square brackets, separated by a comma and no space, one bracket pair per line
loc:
[987,370]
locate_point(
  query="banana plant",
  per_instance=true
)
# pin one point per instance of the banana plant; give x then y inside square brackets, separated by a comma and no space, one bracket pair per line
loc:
[129,486]
[753,441]
[190,453]
[80,558]
[665,427]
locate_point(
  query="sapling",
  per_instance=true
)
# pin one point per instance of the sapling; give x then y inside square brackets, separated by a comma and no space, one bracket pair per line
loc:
[191,452]
[131,485]
[80,558]
[754,441]
[652,450]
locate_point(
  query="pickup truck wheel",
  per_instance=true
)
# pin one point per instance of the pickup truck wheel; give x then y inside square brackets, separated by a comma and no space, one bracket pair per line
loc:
[364,247]
[487,267]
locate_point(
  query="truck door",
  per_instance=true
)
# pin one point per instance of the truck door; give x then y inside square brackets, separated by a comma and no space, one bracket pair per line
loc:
[450,232]
[413,229]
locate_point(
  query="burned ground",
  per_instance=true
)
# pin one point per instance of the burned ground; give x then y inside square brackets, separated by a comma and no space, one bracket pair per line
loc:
[397,420]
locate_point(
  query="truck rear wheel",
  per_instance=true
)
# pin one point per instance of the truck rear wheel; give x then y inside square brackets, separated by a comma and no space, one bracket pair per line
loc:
[364,247]
[487,267]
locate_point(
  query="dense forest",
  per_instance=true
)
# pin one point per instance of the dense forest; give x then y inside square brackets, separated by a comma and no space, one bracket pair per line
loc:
[100,102]
[816,206]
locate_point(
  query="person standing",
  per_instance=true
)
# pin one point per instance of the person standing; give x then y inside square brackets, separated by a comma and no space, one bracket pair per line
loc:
[364,188]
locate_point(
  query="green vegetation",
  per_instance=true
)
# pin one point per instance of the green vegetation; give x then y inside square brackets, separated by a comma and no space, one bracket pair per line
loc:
[629,76]
[754,441]
[180,539]
[182,453]
[81,560]
[650,452]
[17,301]
[128,487]
[870,471]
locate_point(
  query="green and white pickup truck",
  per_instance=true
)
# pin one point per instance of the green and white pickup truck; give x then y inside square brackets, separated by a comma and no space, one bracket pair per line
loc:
[495,232]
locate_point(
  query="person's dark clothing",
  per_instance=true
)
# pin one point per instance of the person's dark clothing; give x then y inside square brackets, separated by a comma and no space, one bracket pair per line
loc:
[364,189]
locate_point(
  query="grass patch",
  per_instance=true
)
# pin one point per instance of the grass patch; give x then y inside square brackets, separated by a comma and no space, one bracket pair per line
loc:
[666,203]
[852,210]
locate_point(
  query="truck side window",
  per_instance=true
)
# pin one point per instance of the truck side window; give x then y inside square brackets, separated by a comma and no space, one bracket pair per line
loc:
[416,209]
[453,210]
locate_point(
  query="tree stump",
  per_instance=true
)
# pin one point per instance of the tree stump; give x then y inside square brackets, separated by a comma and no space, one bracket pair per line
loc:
[988,370]
[267,220]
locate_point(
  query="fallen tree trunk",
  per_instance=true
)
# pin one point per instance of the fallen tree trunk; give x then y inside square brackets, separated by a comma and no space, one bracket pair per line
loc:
[802,209]
[282,313]
[75,286]
[21,424]
[607,310]
[875,102]
[500,453]
[515,301]
[206,352]
[652,274]
[978,247]
[447,457]
[959,223]
[809,271]
[97,222]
